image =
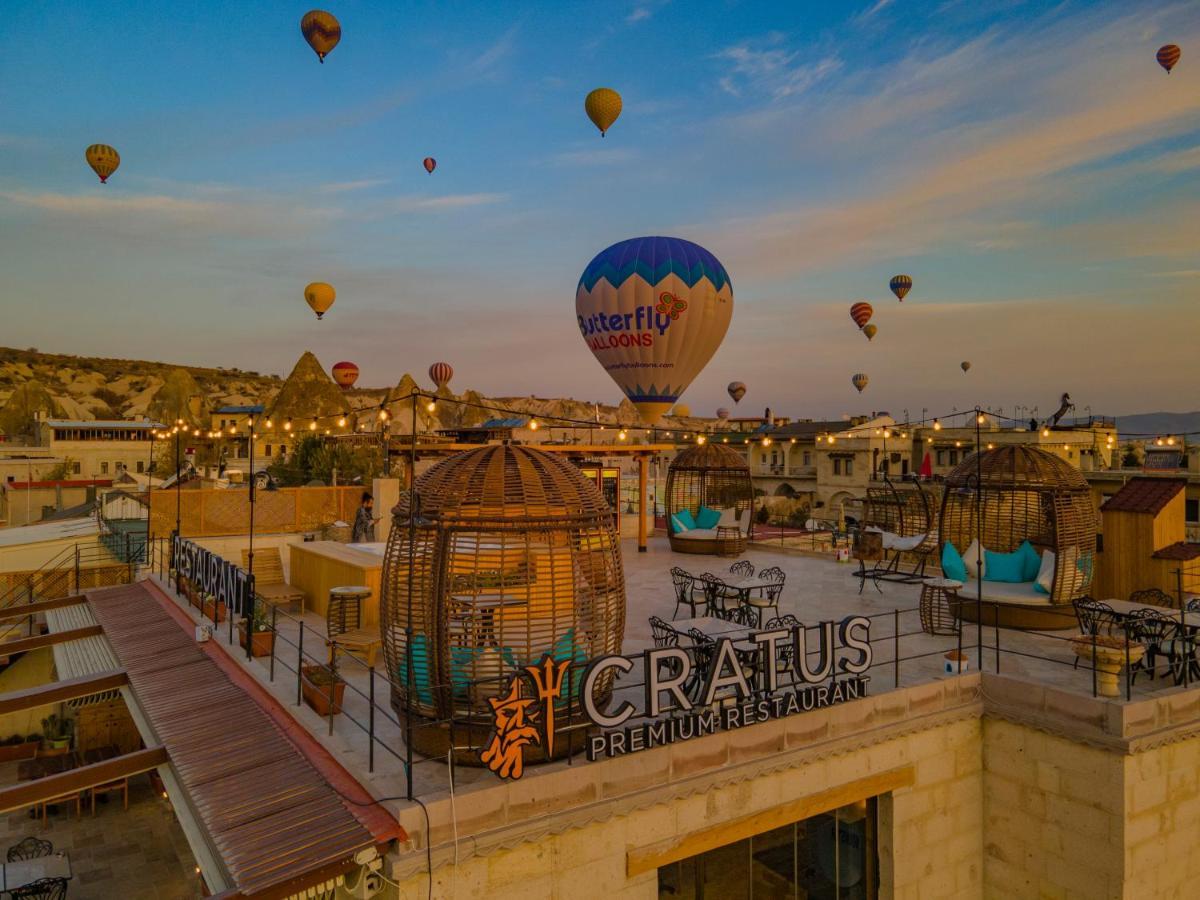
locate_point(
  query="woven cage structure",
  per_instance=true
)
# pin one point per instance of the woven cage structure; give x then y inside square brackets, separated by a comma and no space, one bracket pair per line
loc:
[513,556]
[1016,493]
[902,510]
[714,476]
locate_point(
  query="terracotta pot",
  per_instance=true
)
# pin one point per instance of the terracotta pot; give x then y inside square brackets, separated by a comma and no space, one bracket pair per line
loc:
[1108,660]
[317,695]
[261,644]
[221,611]
[27,750]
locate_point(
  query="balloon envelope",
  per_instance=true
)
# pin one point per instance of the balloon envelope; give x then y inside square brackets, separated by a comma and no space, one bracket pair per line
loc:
[870,331]
[861,313]
[603,105]
[322,31]
[736,390]
[722,414]
[681,409]
[345,374]
[859,381]
[440,374]
[103,159]
[653,310]
[964,365]
[430,164]
[1167,56]
[900,285]
[320,297]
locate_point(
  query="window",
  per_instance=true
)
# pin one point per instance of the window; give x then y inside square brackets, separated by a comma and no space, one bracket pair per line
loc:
[104,468]
[75,468]
[1191,511]
[267,451]
[141,466]
[807,458]
[941,457]
[837,466]
[849,467]
[954,457]
[832,855]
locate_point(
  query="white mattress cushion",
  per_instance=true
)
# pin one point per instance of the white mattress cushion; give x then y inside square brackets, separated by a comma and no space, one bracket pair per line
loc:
[697,534]
[1045,575]
[905,543]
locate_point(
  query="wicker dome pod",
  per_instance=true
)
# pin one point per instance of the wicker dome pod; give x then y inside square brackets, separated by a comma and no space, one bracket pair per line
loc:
[1025,493]
[514,556]
[716,477]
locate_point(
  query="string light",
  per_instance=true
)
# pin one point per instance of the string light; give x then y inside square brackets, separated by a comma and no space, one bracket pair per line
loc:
[287,426]
[431,406]
[533,424]
[981,418]
[312,426]
[383,414]
[1045,432]
[793,440]
[700,439]
[766,442]
[342,422]
[1170,442]
[270,425]
[622,435]
[937,425]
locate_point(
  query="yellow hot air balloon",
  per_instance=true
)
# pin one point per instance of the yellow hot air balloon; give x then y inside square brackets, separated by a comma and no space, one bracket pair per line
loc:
[322,31]
[653,310]
[870,331]
[103,159]
[320,297]
[603,105]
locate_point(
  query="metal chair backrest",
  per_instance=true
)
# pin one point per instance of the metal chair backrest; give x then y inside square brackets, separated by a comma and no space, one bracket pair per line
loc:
[42,889]
[788,621]
[29,848]
[1154,597]
[1192,605]
[1150,625]
[1094,617]
[777,577]
[743,569]
[664,634]
[704,649]
[683,584]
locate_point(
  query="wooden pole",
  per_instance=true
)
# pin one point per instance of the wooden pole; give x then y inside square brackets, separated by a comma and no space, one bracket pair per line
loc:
[643,465]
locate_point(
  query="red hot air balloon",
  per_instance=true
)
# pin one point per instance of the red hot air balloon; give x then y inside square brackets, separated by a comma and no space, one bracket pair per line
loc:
[440,374]
[430,164]
[861,313]
[1167,56]
[345,374]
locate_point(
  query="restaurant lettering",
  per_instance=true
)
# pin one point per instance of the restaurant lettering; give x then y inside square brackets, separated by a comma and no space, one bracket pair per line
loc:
[211,574]
[828,663]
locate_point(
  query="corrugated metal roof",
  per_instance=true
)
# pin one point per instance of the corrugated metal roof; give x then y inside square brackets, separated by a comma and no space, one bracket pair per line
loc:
[1144,495]
[102,423]
[245,410]
[502,423]
[271,815]
[83,657]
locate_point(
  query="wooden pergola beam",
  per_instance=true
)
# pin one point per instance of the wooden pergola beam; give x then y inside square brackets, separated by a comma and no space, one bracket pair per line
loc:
[24,645]
[20,611]
[61,691]
[51,787]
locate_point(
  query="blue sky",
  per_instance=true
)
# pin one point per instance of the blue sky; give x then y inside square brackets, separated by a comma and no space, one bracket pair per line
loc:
[1027,163]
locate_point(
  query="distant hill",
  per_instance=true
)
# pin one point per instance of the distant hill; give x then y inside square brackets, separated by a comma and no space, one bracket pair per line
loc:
[1159,423]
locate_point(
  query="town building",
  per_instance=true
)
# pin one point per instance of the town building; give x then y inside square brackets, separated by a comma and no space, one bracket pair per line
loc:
[100,448]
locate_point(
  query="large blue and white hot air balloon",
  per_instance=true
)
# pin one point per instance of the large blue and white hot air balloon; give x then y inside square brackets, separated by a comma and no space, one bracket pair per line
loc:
[653,310]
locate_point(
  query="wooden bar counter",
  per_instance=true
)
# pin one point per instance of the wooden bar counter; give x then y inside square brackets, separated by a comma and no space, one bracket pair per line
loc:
[318,566]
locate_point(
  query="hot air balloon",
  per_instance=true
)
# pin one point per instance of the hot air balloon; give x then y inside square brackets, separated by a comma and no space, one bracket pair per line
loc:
[603,105]
[320,297]
[1167,56]
[964,365]
[345,374]
[900,285]
[103,159]
[653,310]
[722,414]
[859,381]
[870,331]
[861,312]
[682,410]
[736,390]
[440,374]
[430,164]
[322,31]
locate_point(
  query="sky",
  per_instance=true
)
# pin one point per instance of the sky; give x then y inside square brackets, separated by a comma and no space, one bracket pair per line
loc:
[1027,163]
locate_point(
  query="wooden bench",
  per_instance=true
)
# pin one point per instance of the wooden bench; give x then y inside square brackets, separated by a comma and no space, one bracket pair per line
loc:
[269,586]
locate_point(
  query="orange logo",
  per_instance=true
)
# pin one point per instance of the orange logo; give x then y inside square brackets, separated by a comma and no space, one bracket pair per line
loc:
[516,718]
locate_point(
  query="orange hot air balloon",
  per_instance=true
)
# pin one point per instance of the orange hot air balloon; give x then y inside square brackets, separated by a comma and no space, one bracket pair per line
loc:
[870,331]
[861,313]
[900,285]
[103,159]
[320,297]
[345,374]
[1167,56]
[440,374]
[322,31]
[430,164]
[603,106]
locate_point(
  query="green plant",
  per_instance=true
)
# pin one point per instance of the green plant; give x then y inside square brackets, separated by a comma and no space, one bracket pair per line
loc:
[13,739]
[57,729]
[33,738]
[259,621]
[322,676]
[61,471]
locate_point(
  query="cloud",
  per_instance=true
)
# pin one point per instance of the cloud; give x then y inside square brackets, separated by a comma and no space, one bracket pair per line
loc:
[639,13]
[872,11]
[769,68]
[339,187]
[437,204]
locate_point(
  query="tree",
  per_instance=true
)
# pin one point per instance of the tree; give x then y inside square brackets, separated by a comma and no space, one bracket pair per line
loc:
[61,471]
[314,459]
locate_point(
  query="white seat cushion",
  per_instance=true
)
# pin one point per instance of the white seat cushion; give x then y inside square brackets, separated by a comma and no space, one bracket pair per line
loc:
[906,543]
[698,534]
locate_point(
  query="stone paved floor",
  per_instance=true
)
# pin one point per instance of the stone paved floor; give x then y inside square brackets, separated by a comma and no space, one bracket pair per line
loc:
[139,854]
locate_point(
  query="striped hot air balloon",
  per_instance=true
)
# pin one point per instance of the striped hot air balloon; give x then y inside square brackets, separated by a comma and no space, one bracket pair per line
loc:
[345,374]
[430,164]
[1167,56]
[859,381]
[440,374]
[103,159]
[322,31]
[900,285]
[861,312]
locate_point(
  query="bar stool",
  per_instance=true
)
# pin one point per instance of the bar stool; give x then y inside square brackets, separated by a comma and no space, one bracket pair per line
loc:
[343,624]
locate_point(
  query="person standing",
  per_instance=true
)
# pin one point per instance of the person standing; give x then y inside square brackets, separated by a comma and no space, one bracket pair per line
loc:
[364,521]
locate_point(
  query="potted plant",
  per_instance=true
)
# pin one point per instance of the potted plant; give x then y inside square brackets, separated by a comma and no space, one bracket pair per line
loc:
[316,685]
[262,642]
[213,608]
[19,746]
[56,734]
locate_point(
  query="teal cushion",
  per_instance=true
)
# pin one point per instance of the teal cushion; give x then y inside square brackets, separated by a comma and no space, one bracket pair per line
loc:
[684,519]
[421,684]
[953,566]
[677,527]
[1005,567]
[1041,590]
[707,518]
[1031,561]
[462,666]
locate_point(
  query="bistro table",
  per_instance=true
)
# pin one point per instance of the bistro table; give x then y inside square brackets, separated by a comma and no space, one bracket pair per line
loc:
[740,587]
[718,629]
[15,875]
